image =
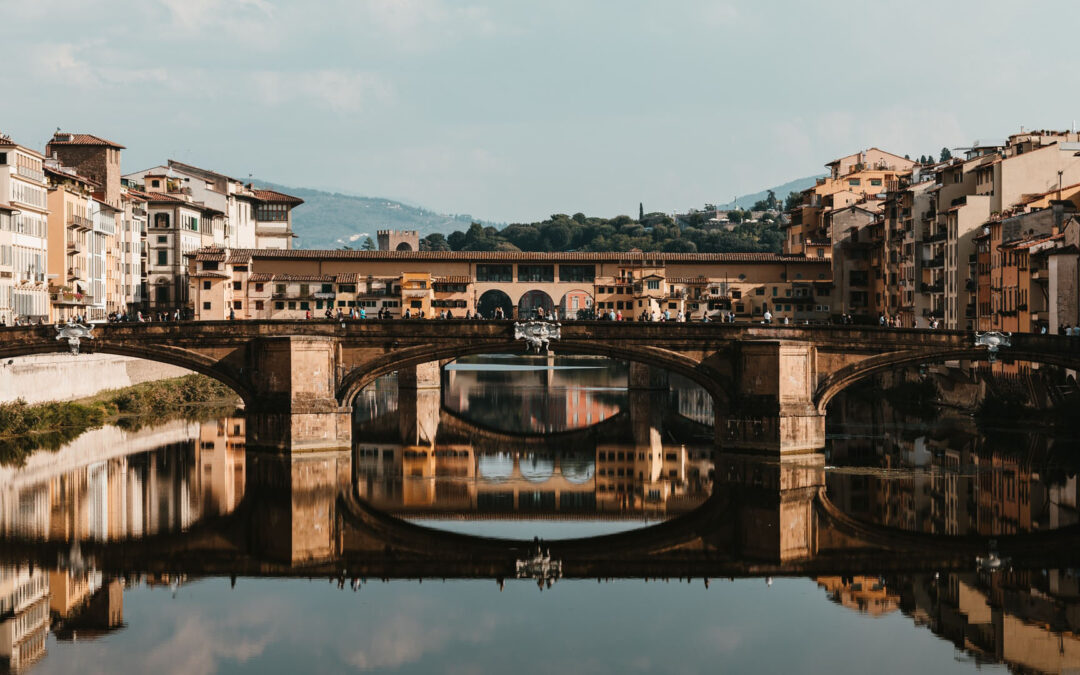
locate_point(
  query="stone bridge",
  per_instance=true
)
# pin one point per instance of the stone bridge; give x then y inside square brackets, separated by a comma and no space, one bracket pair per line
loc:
[298,379]
[301,516]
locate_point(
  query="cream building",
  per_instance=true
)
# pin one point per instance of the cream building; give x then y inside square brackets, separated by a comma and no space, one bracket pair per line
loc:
[24,292]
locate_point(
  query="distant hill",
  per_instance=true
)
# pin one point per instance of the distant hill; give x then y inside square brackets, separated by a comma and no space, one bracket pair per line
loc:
[781,191]
[332,220]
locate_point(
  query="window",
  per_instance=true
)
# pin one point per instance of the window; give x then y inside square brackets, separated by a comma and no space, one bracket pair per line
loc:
[3,158]
[760,290]
[416,304]
[536,273]
[210,265]
[577,272]
[876,182]
[258,304]
[258,288]
[163,257]
[853,181]
[162,239]
[346,288]
[279,289]
[272,212]
[161,220]
[277,305]
[327,288]
[494,272]
[305,305]
[774,290]
[155,183]
[237,286]
[206,305]
[653,284]
[206,285]
[237,304]
[292,304]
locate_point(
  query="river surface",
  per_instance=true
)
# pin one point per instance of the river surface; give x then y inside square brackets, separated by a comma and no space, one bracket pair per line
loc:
[439,543]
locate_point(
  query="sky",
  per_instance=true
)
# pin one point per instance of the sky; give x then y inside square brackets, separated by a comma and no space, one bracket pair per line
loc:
[511,111]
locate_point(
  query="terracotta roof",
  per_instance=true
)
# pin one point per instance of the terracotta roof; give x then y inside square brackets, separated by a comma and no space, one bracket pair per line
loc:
[239,257]
[211,255]
[347,278]
[688,280]
[83,139]
[275,196]
[511,256]
[209,275]
[303,277]
[452,280]
[260,277]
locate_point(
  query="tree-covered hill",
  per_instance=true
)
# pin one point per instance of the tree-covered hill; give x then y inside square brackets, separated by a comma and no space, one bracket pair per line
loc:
[651,232]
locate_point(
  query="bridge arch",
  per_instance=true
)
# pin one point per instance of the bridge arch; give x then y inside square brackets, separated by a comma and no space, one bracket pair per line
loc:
[494,299]
[844,377]
[719,385]
[534,300]
[174,356]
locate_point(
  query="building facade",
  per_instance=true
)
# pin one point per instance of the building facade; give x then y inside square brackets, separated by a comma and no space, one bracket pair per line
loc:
[268,284]
[24,291]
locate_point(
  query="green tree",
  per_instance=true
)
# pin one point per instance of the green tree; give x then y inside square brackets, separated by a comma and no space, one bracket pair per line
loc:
[945,155]
[770,199]
[679,246]
[434,242]
[735,216]
[368,244]
[792,201]
[641,211]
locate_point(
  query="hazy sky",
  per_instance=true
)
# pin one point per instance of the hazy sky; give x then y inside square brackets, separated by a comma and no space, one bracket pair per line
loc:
[515,110]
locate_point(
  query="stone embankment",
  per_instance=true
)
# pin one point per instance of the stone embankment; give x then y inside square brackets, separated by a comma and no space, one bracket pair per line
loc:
[63,377]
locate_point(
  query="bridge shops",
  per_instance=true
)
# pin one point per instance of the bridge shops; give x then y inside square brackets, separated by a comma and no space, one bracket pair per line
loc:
[288,284]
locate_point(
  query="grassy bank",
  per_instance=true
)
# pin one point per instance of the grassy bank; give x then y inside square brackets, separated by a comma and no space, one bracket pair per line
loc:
[26,428]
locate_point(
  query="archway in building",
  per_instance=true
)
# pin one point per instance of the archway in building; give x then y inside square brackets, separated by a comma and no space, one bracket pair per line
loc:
[404,246]
[532,302]
[493,299]
[576,304]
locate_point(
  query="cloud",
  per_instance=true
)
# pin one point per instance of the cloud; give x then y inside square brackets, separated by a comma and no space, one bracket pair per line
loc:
[426,24]
[411,633]
[343,91]
[194,15]
[198,644]
[64,63]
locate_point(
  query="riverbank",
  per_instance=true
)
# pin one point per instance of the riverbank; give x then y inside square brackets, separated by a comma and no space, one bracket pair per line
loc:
[27,428]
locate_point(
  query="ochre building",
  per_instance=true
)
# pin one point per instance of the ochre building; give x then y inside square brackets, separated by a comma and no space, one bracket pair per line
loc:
[287,284]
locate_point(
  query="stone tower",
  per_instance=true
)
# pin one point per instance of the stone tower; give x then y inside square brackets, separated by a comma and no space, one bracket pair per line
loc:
[399,240]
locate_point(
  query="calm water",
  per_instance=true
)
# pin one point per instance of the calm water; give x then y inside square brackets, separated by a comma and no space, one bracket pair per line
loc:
[172,549]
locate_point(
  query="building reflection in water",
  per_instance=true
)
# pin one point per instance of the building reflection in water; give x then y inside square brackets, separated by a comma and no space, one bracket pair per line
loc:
[198,473]
[565,438]
[432,452]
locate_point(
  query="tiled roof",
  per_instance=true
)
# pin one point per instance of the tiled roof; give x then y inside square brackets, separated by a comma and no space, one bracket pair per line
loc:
[452,280]
[239,257]
[260,277]
[511,256]
[209,275]
[347,278]
[275,196]
[210,255]
[688,280]
[83,139]
[303,277]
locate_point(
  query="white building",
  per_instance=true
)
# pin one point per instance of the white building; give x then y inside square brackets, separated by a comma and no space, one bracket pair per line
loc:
[24,289]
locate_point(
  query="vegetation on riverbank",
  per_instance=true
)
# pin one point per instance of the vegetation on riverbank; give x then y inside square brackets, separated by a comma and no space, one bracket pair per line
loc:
[26,428]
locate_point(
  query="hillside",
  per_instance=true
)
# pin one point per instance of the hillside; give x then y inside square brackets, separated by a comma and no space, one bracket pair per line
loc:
[332,220]
[781,192]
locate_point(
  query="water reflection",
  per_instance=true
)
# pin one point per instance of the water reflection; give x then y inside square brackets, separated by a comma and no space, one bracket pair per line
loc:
[175,526]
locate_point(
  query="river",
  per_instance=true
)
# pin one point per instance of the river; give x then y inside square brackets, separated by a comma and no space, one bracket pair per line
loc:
[537,514]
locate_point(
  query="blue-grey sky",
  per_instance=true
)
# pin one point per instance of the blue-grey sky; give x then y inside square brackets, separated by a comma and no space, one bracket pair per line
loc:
[513,110]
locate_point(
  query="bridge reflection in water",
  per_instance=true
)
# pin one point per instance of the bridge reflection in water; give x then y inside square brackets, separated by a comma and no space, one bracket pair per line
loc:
[902,532]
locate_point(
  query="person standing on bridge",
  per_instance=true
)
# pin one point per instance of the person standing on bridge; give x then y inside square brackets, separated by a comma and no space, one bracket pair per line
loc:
[767,317]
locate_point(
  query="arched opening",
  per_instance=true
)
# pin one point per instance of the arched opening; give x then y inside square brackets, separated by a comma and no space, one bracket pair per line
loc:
[404,246]
[532,302]
[492,300]
[576,304]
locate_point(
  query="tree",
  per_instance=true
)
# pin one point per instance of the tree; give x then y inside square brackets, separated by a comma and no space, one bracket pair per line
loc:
[945,155]
[771,200]
[735,216]
[641,211]
[368,245]
[792,201]
[679,246]
[434,242]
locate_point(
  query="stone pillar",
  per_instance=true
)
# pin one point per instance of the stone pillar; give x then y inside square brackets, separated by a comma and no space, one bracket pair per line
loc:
[296,408]
[293,499]
[421,376]
[774,413]
[643,376]
[773,499]
[419,399]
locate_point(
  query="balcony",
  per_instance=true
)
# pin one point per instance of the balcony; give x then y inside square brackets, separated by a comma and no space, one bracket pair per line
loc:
[74,247]
[76,273]
[938,287]
[969,312]
[940,235]
[68,298]
[80,223]
[936,261]
[32,174]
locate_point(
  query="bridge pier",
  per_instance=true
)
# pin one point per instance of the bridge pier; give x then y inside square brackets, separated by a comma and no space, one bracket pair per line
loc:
[644,376]
[294,500]
[294,408]
[774,413]
[419,392]
[774,500]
